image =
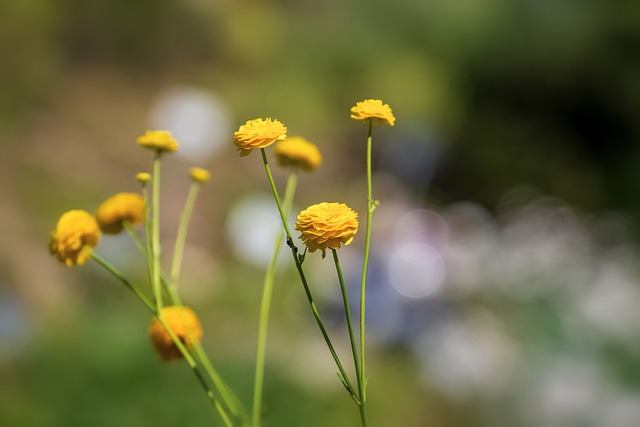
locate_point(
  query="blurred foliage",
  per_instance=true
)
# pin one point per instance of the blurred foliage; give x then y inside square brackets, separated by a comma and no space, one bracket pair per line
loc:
[541,92]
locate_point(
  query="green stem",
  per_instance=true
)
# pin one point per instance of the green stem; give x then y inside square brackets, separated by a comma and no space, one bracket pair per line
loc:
[148,233]
[116,273]
[367,244]
[181,235]
[267,292]
[191,361]
[174,298]
[303,279]
[223,388]
[347,311]
[155,232]
[134,235]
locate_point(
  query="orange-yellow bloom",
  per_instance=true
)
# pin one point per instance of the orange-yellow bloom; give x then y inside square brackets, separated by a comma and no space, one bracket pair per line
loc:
[113,212]
[183,322]
[258,133]
[74,237]
[374,110]
[327,225]
[298,152]
[159,140]
[199,175]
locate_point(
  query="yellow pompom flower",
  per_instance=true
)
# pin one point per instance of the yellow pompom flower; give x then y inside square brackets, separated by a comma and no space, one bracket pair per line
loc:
[258,133]
[374,110]
[159,140]
[113,212]
[327,225]
[199,174]
[298,152]
[74,237]
[183,322]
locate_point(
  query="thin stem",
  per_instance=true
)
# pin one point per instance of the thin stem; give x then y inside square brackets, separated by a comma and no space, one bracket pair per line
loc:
[134,235]
[172,292]
[148,232]
[188,357]
[352,339]
[303,279]
[155,232]
[223,388]
[116,273]
[367,244]
[166,284]
[181,235]
[267,292]
[274,190]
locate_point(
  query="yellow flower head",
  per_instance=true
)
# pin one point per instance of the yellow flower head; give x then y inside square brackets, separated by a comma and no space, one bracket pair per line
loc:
[327,225]
[374,110]
[258,133]
[298,152]
[199,174]
[143,177]
[117,209]
[183,322]
[75,235]
[159,140]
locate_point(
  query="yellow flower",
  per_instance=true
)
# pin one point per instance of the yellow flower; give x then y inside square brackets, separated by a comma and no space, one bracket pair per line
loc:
[297,151]
[374,110]
[199,174]
[258,133]
[117,209]
[75,235]
[159,140]
[143,177]
[183,322]
[327,225]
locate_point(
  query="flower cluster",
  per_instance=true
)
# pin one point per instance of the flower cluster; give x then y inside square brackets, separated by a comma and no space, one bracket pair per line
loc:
[78,232]
[175,331]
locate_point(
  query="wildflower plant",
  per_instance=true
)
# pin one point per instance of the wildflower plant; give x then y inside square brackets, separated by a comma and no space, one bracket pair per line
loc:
[323,226]
[175,330]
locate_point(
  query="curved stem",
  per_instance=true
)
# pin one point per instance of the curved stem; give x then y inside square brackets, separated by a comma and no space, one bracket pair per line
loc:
[265,306]
[303,279]
[116,273]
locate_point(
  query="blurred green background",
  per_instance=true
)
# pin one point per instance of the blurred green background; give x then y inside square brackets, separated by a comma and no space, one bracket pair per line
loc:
[504,289]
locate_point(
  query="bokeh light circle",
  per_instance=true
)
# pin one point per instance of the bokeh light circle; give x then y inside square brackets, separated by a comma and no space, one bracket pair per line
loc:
[416,269]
